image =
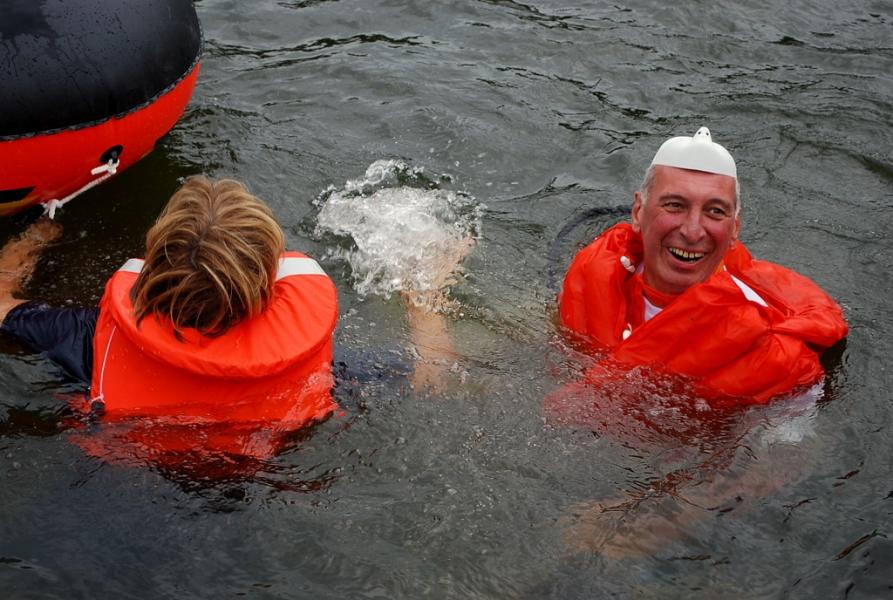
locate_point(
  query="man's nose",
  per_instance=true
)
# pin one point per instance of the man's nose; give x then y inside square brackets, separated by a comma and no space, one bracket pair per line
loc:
[692,228]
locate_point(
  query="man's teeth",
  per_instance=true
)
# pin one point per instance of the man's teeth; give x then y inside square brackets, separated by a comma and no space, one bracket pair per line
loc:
[685,255]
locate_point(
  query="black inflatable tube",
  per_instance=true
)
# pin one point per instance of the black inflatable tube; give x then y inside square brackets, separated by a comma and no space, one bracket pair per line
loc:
[67,63]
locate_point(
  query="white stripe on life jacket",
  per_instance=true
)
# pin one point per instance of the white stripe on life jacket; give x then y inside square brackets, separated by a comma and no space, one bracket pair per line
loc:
[134,265]
[749,292]
[293,265]
[288,266]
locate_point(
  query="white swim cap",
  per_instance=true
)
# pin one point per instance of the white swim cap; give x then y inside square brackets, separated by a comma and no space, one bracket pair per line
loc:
[699,153]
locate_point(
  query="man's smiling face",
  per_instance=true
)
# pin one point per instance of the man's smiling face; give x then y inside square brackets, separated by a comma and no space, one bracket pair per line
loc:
[688,223]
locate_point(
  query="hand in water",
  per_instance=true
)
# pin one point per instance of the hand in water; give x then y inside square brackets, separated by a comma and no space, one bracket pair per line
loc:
[19,257]
[626,528]
[730,481]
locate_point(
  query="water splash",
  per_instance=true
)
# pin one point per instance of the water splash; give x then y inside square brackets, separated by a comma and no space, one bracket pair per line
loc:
[401,231]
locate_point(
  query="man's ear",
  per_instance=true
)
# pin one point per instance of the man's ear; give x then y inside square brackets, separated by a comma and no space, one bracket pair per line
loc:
[737,230]
[637,208]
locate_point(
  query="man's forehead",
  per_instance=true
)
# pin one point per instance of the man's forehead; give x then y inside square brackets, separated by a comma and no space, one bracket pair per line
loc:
[681,182]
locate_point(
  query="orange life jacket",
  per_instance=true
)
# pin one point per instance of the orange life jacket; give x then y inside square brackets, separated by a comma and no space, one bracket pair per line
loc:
[752,331]
[272,371]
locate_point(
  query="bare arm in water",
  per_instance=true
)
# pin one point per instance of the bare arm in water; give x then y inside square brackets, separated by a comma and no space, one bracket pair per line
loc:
[426,317]
[732,480]
[18,257]
[431,341]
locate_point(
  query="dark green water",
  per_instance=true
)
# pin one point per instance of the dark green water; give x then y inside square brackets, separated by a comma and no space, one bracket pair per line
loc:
[543,113]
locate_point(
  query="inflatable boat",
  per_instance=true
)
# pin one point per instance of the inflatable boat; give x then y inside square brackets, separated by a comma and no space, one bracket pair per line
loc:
[88,89]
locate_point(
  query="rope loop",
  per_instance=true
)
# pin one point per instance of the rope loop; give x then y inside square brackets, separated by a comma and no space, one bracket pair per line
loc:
[104,171]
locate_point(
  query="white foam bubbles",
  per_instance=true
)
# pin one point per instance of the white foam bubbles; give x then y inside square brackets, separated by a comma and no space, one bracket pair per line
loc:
[402,232]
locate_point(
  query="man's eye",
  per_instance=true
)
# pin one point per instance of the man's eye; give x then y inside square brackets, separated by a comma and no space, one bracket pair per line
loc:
[717,212]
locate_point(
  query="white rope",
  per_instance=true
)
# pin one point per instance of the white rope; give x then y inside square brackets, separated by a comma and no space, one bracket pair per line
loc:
[98,401]
[108,169]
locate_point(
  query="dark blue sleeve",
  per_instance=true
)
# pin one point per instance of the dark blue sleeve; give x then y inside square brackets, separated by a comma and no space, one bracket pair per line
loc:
[64,335]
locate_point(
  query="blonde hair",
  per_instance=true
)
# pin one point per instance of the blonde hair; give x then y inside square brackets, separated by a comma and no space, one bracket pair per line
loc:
[211,258]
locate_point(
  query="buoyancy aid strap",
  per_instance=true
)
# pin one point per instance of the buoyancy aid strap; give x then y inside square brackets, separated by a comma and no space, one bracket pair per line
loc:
[288,266]
[749,292]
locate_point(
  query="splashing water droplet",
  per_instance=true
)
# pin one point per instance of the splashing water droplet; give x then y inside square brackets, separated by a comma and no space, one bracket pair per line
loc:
[403,233]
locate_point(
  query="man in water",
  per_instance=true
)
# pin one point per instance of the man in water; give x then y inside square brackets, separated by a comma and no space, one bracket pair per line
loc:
[675,289]
[676,292]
